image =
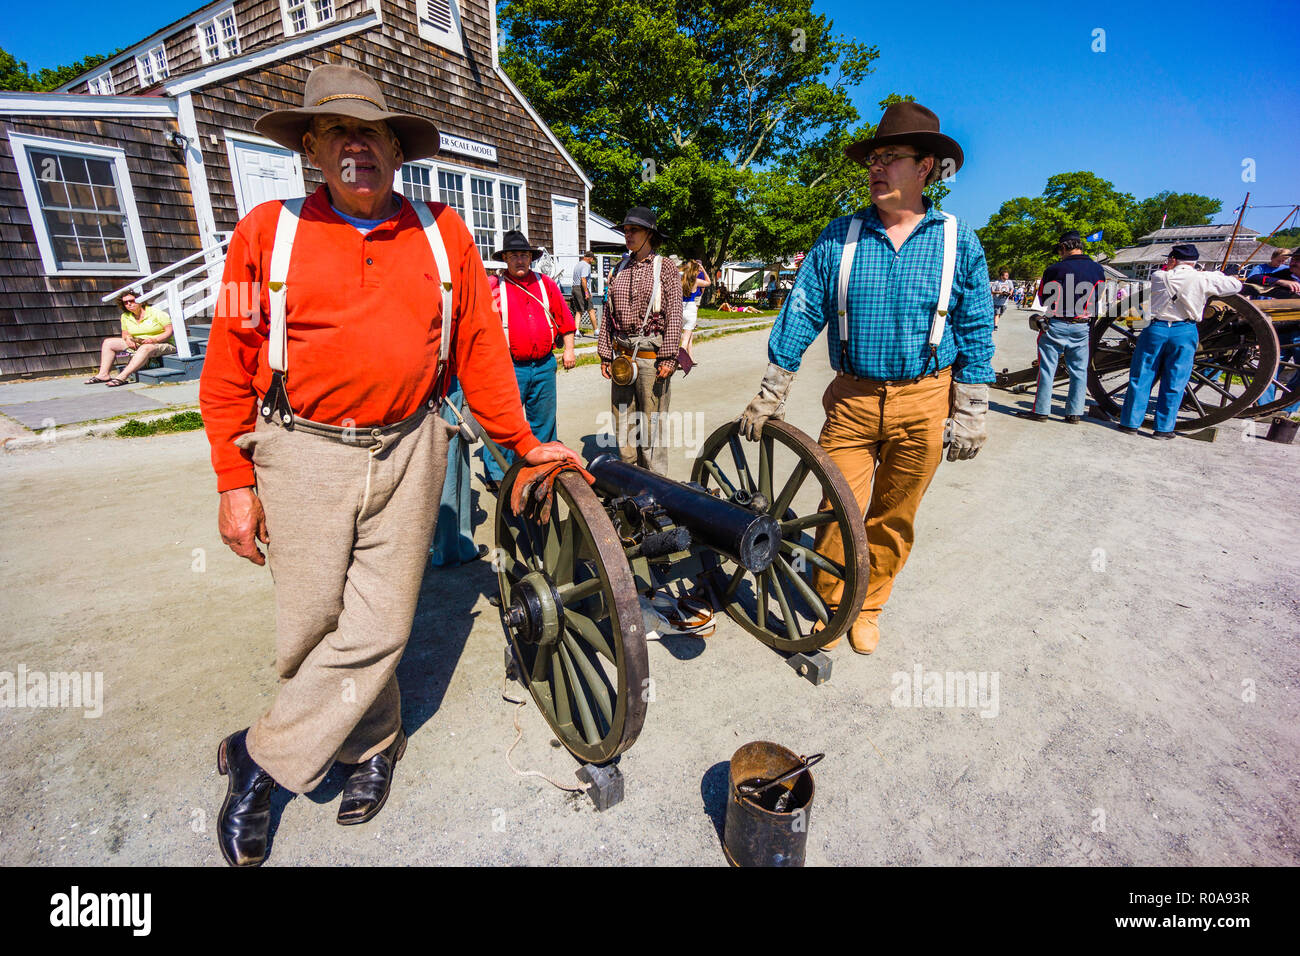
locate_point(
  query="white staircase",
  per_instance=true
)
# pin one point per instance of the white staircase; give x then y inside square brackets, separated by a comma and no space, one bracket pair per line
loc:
[187,291]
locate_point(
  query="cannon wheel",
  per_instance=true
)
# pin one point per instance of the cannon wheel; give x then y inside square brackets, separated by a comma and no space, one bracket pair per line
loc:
[588,673]
[1235,338]
[780,606]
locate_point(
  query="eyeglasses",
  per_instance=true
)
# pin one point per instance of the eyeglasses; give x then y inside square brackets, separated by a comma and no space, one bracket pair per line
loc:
[886,159]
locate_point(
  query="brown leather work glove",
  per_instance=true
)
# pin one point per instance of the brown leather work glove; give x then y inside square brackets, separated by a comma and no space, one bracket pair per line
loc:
[535,486]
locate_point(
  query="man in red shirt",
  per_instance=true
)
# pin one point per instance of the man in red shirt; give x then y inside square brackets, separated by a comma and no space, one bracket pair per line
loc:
[536,320]
[341,474]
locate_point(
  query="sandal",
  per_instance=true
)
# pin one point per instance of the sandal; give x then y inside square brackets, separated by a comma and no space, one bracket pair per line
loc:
[96,380]
[115,382]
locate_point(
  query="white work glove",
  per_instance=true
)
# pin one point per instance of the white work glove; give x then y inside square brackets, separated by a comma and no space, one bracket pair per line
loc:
[970,407]
[769,401]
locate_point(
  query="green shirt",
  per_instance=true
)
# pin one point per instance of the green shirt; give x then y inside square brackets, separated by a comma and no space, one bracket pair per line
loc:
[151,322]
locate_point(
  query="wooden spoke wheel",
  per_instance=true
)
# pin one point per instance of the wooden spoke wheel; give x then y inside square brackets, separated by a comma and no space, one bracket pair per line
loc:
[1235,361]
[789,476]
[570,610]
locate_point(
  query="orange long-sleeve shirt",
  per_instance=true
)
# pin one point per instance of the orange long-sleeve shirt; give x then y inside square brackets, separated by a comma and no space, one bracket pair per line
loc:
[364,324]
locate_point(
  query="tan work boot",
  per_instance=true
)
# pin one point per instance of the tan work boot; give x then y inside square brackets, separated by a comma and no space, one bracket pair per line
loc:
[864,634]
[819,626]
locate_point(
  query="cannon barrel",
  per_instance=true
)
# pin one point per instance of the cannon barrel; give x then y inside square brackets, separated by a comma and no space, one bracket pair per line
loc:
[745,536]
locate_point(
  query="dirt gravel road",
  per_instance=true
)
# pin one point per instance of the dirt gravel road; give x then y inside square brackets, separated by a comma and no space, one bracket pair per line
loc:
[1131,607]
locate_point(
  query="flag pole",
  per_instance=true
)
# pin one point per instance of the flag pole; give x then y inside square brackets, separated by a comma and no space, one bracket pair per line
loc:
[1228,252]
[1270,235]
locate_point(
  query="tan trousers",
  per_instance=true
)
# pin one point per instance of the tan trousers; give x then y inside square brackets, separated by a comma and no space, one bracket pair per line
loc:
[636,409]
[887,440]
[349,529]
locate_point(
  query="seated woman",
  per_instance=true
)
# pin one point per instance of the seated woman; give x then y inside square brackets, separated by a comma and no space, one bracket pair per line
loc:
[146,334]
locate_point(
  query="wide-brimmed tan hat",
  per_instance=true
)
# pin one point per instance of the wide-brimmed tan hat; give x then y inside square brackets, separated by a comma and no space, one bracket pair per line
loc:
[909,124]
[335,89]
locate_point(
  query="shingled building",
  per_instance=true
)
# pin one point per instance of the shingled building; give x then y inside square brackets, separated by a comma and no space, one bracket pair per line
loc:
[137,172]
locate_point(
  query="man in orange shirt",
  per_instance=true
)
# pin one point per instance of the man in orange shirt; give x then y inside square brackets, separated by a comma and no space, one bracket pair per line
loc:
[341,474]
[536,320]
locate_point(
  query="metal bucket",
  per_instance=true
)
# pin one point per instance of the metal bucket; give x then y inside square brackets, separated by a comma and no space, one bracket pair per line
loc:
[769,801]
[1282,431]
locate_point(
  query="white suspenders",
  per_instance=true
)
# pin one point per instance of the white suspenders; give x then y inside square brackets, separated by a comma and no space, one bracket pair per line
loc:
[503,302]
[286,228]
[945,283]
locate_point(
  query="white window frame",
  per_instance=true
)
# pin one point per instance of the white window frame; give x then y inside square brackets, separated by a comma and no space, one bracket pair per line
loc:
[21,143]
[225,49]
[313,19]
[449,38]
[436,166]
[151,66]
[101,84]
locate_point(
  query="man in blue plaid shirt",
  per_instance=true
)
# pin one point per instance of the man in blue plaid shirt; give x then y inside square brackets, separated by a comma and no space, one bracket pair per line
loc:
[893,390]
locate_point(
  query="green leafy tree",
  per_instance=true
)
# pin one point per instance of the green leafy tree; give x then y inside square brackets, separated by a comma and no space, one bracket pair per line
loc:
[1181,209]
[708,112]
[15,75]
[1022,234]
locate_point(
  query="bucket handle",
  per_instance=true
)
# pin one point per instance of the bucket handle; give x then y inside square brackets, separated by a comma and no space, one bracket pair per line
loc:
[750,791]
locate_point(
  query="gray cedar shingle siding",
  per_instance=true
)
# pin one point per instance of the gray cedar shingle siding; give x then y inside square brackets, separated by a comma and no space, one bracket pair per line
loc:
[52,324]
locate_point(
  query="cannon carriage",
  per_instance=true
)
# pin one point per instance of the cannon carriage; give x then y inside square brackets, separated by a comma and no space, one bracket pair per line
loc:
[740,537]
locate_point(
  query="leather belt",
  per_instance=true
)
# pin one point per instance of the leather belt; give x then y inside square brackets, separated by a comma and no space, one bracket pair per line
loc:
[641,353]
[900,381]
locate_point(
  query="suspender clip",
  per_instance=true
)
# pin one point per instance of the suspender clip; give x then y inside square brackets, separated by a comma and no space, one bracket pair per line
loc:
[275,404]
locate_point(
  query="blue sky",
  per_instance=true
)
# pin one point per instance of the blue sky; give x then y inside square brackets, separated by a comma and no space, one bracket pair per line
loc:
[1177,100]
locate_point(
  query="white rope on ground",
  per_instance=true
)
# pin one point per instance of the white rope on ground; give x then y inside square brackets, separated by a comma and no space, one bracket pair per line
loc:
[519,735]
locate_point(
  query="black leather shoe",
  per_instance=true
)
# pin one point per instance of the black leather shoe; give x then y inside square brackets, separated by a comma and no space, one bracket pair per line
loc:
[1128,429]
[1032,416]
[1073,419]
[245,817]
[1163,436]
[366,791]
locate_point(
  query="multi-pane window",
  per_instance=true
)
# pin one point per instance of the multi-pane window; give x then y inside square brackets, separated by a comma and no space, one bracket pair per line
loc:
[152,65]
[219,37]
[300,15]
[511,217]
[100,85]
[81,206]
[451,190]
[415,183]
[485,221]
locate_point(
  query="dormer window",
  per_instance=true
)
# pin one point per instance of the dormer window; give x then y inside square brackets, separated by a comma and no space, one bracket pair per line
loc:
[219,37]
[303,15]
[101,84]
[152,66]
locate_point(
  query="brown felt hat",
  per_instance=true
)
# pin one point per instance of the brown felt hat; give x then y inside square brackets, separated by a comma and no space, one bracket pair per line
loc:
[909,124]
[335,89]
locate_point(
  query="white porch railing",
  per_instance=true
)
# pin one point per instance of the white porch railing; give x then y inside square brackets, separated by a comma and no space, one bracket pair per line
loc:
[186,293]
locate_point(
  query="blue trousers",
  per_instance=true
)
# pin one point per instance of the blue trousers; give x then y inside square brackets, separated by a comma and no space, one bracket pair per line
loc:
[1164,349]
[453,541]
[1289,353]
[537,391]
[1068,339]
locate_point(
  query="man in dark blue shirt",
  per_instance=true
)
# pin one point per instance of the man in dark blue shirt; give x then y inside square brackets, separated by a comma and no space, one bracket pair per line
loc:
[1070,291]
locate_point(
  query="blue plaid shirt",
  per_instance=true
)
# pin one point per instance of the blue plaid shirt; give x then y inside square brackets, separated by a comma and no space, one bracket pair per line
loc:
[892,298]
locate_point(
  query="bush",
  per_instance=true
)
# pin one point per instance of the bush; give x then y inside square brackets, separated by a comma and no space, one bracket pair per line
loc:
[182,422]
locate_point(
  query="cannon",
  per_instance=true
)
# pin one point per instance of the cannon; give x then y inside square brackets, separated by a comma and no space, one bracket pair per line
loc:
[1239,356]
[741,536]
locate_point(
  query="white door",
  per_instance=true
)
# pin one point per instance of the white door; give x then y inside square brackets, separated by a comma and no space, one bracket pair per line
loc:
[261,173]
[564,231]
